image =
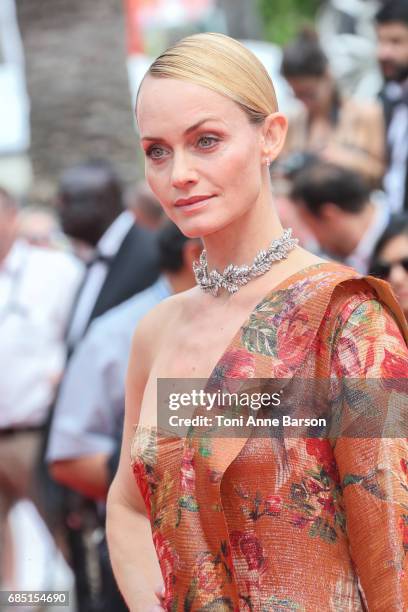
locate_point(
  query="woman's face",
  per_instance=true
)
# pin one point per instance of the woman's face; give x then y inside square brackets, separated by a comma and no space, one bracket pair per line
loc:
[393,253]
[203,157]
[314,91]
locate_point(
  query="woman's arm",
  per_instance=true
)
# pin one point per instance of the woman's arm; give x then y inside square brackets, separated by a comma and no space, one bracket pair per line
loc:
[87,474]
[374,470]
[132,553]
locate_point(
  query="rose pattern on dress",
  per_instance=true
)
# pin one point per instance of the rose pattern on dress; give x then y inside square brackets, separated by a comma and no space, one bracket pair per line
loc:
[394,371]
[187,501]
[211,573]
[248,546]
[168,564]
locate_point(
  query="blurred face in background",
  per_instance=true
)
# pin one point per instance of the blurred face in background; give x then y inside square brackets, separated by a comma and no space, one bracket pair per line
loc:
[392,51]
[8,225]
[315,92]
[326,227]
[393,266]
[38,227]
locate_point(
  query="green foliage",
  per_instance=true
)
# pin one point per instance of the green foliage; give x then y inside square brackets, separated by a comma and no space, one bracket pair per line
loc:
[282,19]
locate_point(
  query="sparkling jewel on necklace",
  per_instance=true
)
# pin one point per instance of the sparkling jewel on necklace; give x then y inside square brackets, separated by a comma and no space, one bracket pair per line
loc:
[235,277]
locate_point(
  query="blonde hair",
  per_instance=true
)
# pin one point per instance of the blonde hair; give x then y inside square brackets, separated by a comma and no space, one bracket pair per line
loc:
[223,65]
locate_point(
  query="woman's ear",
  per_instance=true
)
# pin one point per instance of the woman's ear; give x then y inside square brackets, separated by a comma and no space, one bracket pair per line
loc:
[274,131]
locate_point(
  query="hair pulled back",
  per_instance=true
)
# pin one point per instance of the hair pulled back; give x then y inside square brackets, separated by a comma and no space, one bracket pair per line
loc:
[304,57]
[223,65]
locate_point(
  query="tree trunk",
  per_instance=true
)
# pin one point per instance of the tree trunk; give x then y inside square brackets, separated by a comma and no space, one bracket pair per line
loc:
[77,82]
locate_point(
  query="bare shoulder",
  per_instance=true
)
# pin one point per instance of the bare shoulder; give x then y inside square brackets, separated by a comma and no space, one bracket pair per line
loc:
[154,328]
[304,258]
[161,316]
[366,109]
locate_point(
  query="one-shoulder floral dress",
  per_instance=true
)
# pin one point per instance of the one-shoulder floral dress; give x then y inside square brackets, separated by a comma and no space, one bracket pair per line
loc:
[240,525]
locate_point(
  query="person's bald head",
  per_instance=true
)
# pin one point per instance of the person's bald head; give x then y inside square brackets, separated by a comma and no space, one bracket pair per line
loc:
[145,206]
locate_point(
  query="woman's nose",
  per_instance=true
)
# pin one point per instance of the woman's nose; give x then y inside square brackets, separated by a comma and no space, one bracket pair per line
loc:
[183,173]
[384,51]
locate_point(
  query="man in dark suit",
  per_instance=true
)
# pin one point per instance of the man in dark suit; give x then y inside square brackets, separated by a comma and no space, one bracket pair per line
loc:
[392,53]
[121,256]
[122,260]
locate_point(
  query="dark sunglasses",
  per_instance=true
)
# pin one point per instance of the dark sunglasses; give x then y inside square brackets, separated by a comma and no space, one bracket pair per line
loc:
[382,269]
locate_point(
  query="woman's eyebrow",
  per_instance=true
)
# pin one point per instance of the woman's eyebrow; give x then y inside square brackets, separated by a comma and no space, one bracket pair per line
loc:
[190,129]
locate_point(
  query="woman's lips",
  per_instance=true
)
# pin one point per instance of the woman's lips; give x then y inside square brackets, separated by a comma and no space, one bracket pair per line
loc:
[192,203]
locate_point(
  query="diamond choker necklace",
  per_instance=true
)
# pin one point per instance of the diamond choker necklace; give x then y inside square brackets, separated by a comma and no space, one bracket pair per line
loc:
[235,277]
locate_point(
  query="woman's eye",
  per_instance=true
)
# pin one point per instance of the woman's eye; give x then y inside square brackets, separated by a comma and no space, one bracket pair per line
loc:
[207,142]
[155,152]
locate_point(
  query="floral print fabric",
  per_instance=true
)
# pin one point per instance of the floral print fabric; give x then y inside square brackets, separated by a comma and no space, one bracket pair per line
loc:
[265,524]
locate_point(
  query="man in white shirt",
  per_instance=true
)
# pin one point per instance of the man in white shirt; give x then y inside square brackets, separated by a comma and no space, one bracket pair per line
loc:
[37,289]
[336,206]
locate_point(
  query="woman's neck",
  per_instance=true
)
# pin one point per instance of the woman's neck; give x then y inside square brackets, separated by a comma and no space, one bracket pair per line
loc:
[241,240]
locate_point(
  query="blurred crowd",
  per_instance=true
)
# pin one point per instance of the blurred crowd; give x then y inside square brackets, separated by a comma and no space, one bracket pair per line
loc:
[76,276]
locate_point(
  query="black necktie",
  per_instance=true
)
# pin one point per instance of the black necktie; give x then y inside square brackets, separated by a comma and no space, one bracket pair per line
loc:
[97,257]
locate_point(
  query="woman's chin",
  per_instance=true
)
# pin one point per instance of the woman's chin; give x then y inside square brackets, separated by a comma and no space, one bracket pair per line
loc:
[200,228]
